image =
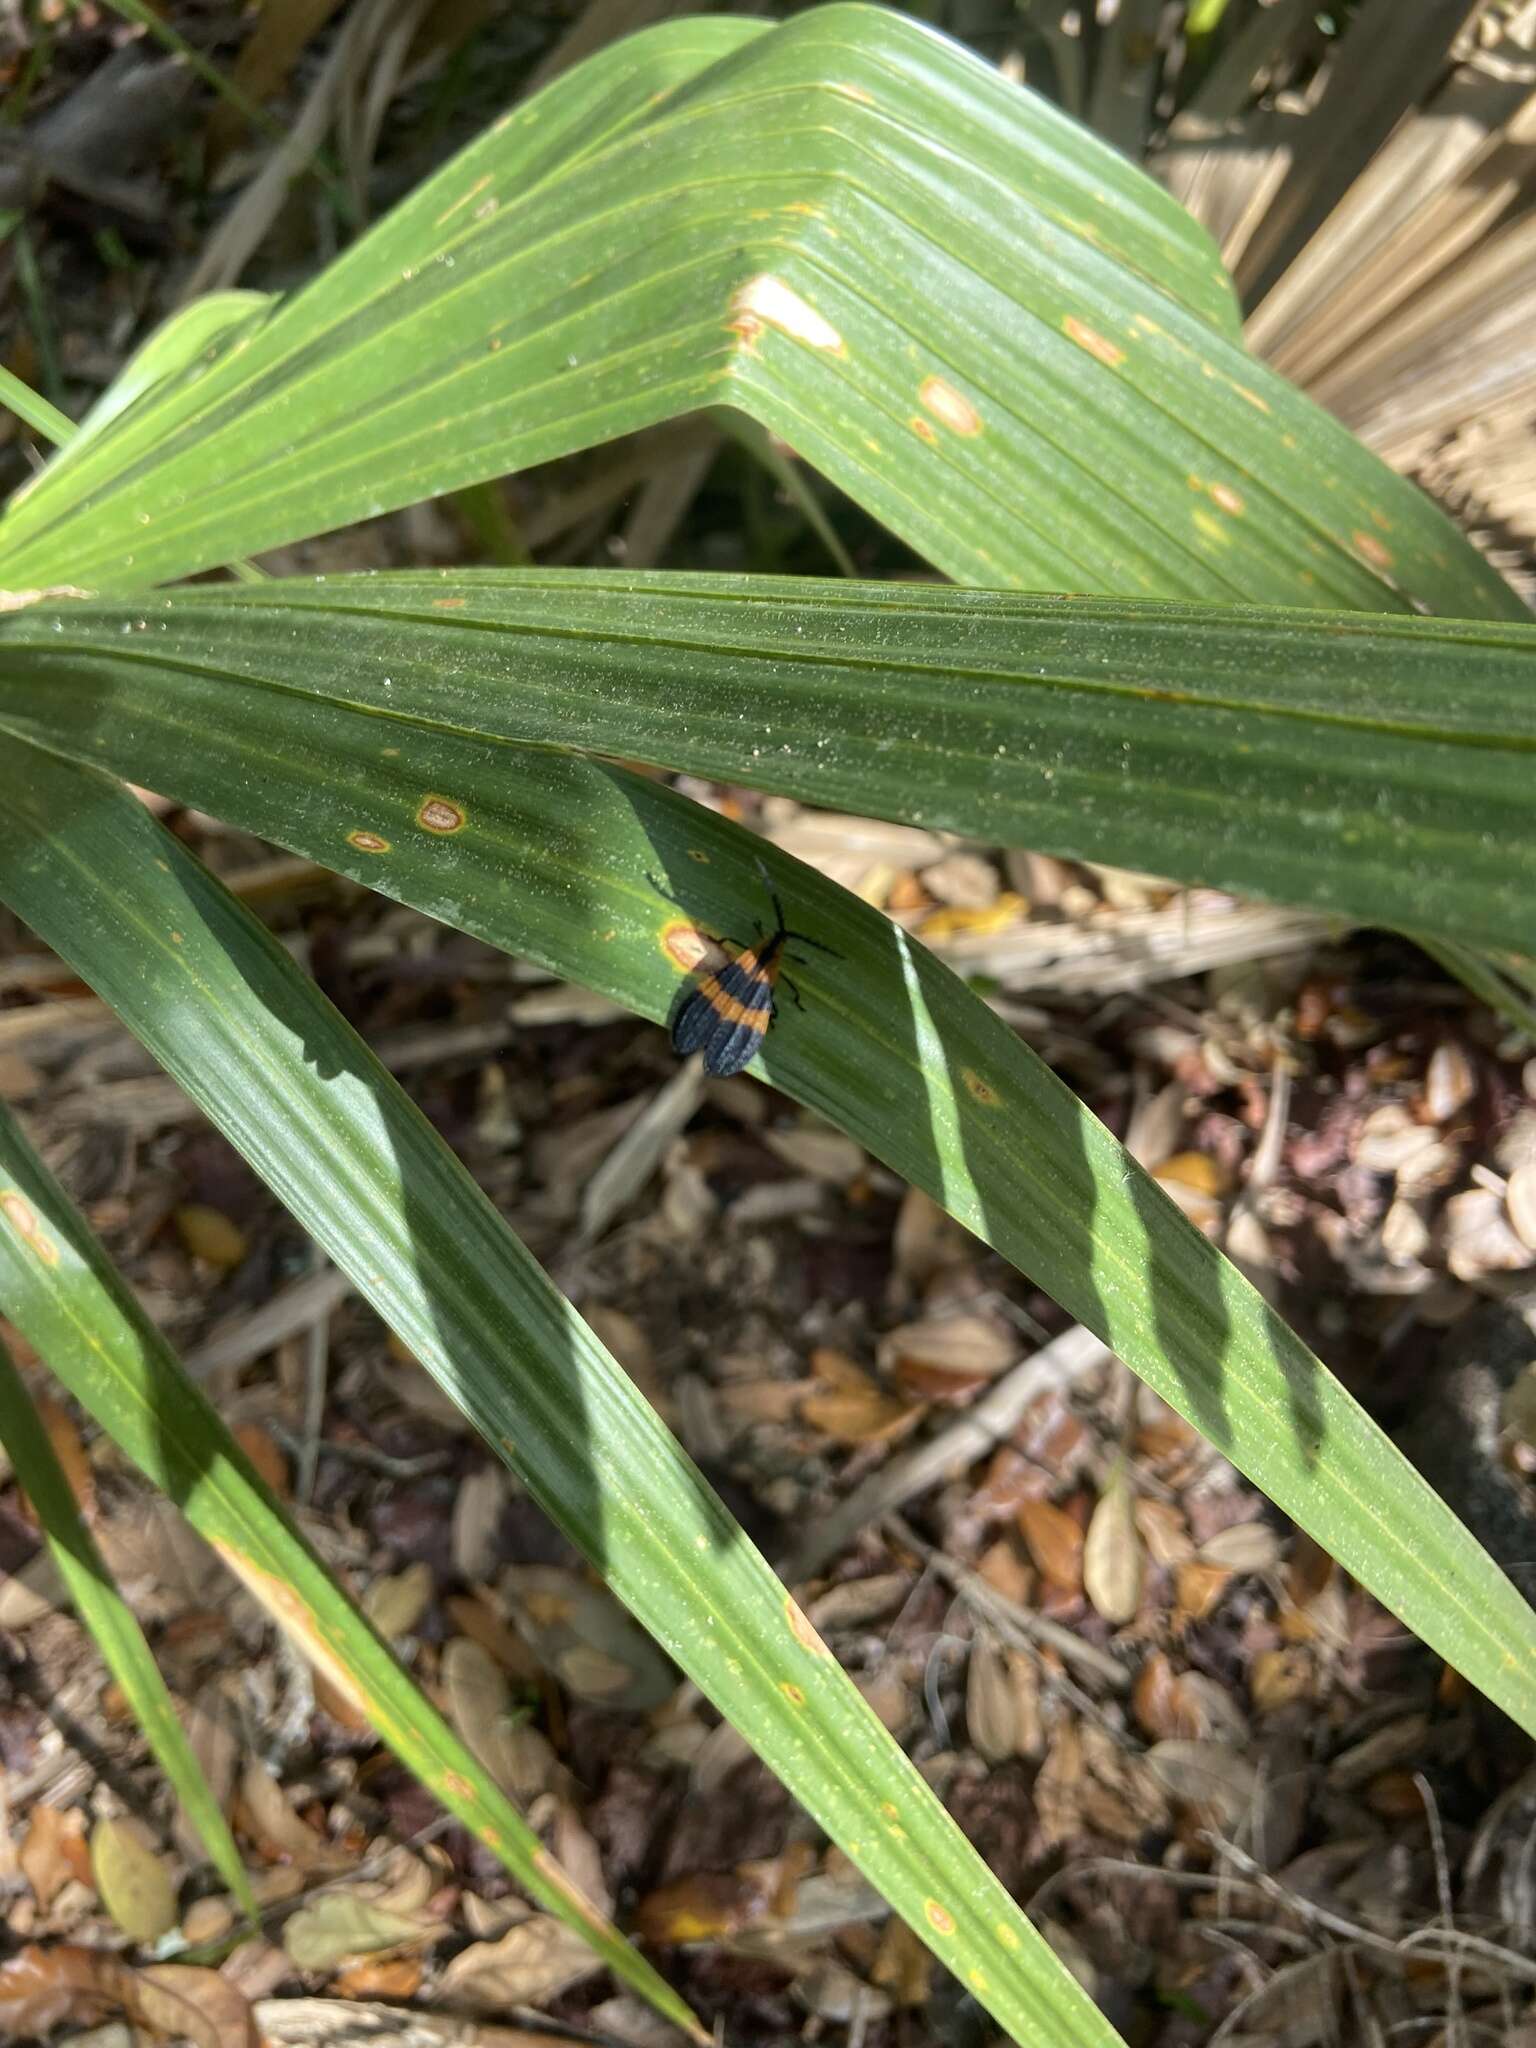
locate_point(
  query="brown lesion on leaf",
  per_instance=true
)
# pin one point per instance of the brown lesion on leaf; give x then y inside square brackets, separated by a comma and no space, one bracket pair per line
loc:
[296,1617]
[793,1693]
[440,814]
[1368,545]
[18,600]
[1228,499]
[447,604]
[939,1918]
[923,430]
[1098,345]
[802,1631]
[685,945]
[951,408]
[368,842]
[979,1090]
[767,301]
[23,1219]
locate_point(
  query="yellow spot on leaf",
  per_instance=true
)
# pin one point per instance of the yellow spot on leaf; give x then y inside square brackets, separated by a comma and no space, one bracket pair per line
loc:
[1090,339]
[769,302]
[978,1979]
[1252,397]
[939,1918]
[802,1631]
[1211,528]
[440,814]
[1369,546]
[951,408]
[979,1090]
[368,842]
[1008,1936]
[889,1808]
[855,93]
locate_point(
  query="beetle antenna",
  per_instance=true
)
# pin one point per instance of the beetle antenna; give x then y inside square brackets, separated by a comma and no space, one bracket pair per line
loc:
[773,894]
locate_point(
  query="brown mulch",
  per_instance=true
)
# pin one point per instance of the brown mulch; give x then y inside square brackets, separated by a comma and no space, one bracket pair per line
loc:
[1227,1783]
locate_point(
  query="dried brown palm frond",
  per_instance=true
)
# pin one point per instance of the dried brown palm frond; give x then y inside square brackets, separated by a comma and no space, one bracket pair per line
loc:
[1375,198]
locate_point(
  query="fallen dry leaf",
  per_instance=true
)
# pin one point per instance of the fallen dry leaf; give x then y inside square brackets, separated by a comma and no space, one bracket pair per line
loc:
[41,1989]
[472,1614]
[1199,1587]
[531,1963]
[133,1879]
[1113,1563]
[70,1452]
[1165,1532]
[396,1602]
[902,1965]
[1244,1547]
[279,1831]
[863,1415]
[395,1978]
[480,1706]
[53,1852]
[826,1155]
[990,1721]
[478,1507]
[342,1924]
[580,1632]
[178,1999]
[947,1358]
[1006,1569]
[927,1240]
[266,1454]
[1280,1677]
[1055,1541]
[1209,1776]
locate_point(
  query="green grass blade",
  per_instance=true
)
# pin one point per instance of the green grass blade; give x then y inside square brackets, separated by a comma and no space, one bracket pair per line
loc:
[77,1313]
[226,1011]
[544,853]
[1378,768]
[31,406]
[999,337]
[103,1610]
